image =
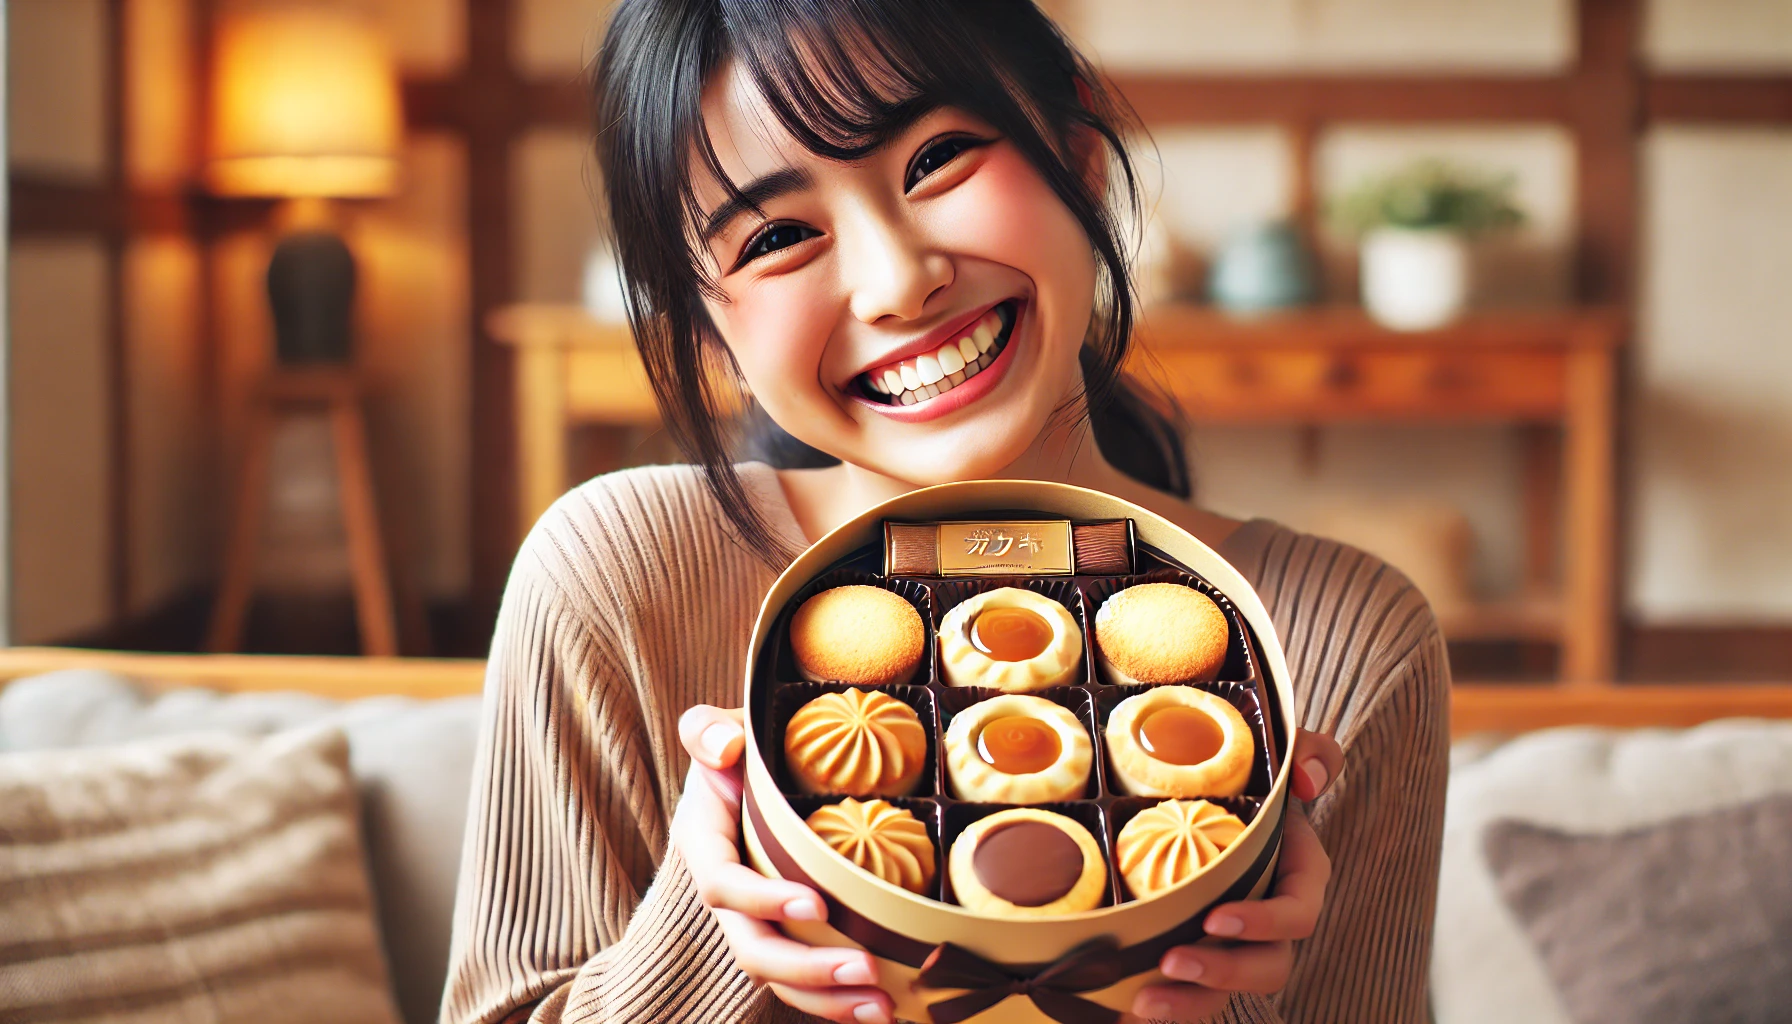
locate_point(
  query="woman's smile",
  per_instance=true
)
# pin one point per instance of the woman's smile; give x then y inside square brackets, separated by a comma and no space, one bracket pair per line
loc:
[917,387]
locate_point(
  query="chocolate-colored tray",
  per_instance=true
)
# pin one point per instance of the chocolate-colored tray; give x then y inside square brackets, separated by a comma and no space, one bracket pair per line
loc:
[1103,810]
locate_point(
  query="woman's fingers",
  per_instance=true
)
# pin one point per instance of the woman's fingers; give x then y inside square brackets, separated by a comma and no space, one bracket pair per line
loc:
[1247,967]
[712,736]
[1292,909]
[1320,761]
[826,981]
[1184,1004]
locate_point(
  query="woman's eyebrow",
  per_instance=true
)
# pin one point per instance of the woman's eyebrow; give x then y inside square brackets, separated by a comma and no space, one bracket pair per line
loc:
[754,195]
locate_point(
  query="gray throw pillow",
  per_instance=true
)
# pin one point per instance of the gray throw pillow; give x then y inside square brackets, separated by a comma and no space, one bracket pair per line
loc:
[1686,921]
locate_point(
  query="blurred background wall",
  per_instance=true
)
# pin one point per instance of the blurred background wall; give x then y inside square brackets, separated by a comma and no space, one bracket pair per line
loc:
[138,319]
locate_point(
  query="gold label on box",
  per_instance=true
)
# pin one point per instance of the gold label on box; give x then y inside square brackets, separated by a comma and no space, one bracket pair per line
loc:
[1034,548]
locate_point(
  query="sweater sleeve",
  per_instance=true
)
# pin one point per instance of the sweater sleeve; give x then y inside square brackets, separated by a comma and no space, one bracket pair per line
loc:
[570,906]
[1371,669]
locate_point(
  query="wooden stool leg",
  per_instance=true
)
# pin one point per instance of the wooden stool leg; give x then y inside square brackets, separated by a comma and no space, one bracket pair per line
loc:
[360,519]
[232,609]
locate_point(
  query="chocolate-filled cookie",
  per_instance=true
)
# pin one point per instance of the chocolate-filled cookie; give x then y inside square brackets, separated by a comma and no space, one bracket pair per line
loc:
[1027,863]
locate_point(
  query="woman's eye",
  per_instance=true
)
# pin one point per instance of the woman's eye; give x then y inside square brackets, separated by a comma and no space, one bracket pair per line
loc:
[935,157]
[775,237]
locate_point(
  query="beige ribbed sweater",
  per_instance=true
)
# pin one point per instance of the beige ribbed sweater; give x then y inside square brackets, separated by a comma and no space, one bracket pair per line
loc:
[629,603]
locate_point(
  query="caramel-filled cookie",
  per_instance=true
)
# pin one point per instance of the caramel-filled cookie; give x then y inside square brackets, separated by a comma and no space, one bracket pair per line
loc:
[1160,633]
[857,742]
[1012,640]
[880,837]
[1017,749]
[1178,741]
[862,635]
[1027,863]
[1167,844]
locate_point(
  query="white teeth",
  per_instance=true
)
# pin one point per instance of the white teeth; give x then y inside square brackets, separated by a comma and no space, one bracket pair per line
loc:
[955,378]
[928,369]
[908,398]
[967,348]
[983,336]
[971,369]
[910,380]
[950,360]
[930,392]
[877,385]
[892,382]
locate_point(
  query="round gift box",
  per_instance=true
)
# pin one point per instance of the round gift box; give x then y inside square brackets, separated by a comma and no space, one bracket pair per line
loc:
[939,961]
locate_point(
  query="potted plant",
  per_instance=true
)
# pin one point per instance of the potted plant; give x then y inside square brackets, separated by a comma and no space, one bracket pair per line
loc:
[1415,224]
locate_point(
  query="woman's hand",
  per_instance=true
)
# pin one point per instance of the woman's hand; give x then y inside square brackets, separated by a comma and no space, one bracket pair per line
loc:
[829,982]
[1256,947]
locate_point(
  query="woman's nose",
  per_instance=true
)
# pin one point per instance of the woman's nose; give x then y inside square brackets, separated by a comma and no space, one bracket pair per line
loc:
[892,271]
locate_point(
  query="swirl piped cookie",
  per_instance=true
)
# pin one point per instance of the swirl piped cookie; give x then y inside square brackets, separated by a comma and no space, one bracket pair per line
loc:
[1012,640]
[1181,742]
[880,837]
[1169,843]
[1017,749]
[858,742]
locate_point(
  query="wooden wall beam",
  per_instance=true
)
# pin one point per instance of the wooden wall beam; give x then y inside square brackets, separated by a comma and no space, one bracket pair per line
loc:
[1719,98]
[1170,99]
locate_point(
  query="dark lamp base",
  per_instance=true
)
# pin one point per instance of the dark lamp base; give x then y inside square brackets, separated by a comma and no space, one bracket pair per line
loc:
[311,289]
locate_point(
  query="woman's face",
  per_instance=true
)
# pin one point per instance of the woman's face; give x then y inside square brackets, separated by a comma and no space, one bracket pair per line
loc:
[917,313]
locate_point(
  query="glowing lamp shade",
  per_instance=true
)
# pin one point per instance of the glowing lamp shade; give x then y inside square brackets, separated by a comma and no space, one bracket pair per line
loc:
[305,103]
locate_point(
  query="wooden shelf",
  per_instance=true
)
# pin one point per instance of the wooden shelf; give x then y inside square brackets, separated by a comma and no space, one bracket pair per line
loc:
[1532,619]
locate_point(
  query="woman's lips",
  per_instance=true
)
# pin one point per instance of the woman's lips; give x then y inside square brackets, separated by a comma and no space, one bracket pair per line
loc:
[963,394]
[928,376]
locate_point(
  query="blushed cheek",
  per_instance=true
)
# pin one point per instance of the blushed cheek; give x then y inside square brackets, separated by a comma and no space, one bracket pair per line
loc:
[1007,214]
[777,332]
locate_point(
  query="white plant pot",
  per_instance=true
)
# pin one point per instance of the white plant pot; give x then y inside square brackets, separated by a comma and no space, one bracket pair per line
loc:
[1414,279]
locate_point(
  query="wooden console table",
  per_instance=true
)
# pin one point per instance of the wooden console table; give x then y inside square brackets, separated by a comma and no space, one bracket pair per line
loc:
[1552,373]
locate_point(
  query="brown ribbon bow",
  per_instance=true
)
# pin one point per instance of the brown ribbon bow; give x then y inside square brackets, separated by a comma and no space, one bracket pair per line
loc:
[1054,988]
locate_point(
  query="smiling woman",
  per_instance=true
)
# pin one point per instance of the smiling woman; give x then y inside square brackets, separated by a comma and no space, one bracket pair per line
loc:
[861,145]
[894,223]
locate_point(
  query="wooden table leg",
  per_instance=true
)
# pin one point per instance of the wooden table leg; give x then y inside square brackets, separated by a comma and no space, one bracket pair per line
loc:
[361,521]
[1590,610]
[237,586]
[541,429]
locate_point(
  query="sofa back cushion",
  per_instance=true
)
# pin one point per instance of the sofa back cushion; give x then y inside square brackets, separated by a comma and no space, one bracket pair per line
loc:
[412,764]
[203,877]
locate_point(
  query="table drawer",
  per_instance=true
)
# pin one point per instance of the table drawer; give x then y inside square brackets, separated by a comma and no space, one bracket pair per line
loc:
[1244,384]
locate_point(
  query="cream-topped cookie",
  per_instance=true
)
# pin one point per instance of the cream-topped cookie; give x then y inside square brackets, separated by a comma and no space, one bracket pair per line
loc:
[1012,640]
[1181,742]
[1017,749]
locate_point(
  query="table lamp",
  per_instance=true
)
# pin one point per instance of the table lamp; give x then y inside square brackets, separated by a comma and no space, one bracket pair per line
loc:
[305,108]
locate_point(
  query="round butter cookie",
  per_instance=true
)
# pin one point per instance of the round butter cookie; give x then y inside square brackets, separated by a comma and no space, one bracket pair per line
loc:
[1160,633]
[866,636]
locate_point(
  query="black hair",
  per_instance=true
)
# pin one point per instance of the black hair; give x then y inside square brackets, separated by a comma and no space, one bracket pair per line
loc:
[842,77]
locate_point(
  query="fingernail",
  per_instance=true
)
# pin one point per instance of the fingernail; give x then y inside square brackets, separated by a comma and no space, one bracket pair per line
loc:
[802,910]
[1182,968]
[1154,1009]
[1224,924]
[1316,773]
[856,972]
[716,738]
[870,1013]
